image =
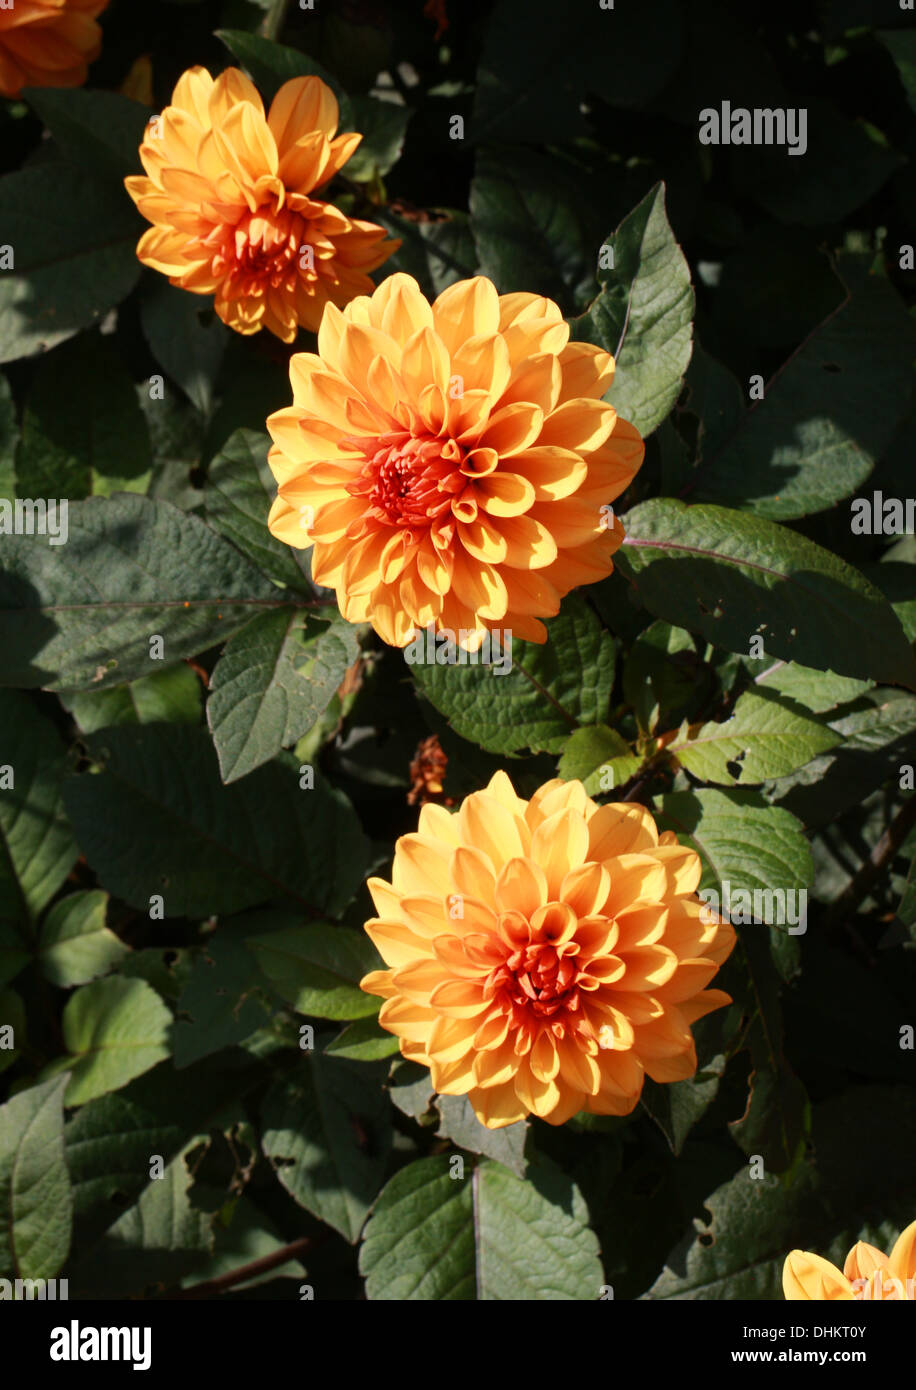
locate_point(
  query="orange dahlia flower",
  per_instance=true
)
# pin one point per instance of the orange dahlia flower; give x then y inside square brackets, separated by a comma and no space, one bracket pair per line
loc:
[48,43]
[545,955]
[867,1274]
[229,193]
[452,463]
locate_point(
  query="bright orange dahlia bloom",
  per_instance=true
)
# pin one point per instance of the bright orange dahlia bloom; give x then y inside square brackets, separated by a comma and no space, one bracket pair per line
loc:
[452,464]
[229,193]
[545,955]
[867,1274]
[48,43]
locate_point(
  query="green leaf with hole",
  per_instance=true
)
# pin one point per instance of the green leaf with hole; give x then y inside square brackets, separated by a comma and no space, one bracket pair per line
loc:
[763,738]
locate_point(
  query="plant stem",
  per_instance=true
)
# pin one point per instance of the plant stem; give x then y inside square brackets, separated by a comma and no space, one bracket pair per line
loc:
[238,1276]
[276,18]
[870,871]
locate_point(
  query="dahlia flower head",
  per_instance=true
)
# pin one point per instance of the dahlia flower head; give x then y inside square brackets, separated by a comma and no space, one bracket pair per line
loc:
[452,464]
[229,191]
[544,956]
[868,1274]
[48,43]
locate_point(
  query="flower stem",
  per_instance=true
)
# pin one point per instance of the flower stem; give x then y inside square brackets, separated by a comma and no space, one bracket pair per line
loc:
[276,18]
[860,885]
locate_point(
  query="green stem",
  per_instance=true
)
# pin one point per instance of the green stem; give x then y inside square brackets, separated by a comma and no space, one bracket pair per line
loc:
[276,18]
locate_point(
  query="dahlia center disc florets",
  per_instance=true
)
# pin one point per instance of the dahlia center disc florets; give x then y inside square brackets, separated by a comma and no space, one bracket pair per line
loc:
[260,251]
[542,978]
[408,481]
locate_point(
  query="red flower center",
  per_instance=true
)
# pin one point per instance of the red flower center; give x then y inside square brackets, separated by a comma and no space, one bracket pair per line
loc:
[539,978]
[408,481]
[263,250]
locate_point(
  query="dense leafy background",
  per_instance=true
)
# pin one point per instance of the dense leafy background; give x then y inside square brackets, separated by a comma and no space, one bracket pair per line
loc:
[179,911]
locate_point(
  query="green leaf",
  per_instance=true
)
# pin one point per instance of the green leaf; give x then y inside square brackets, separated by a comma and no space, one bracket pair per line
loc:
[383,125]
[156,1241]
[114,1030]
[76,946]
[906,908]
[36,1206]
[643,314]
[459,1123]
[9,440]
[411,1089]
[363,1040]
[678,1105]
[12,957]
[531,226]
[209,848]
[270,686]
[249,1237]
[818,691]
[758,862]
[897,581]
[831,188]
[548,691]
[877,740]
[188,350]
[250,389]
[531,88]
[901,45]
[173,695]
[826,416]
[100,130]
[166,968]
[240,487]
[83,430]
[37,848]
[716,400]
[600,758]
[435,253]
[729,575]
[746,309]
[742,841]
[110,1140]
[82,614]
[220,1000]
[754,1223]
[74,237]
[327,1130]
[317,968]
[776,1120]
[662,677]
[763,738]
[12,1018]
[488,1235]
[271,64]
